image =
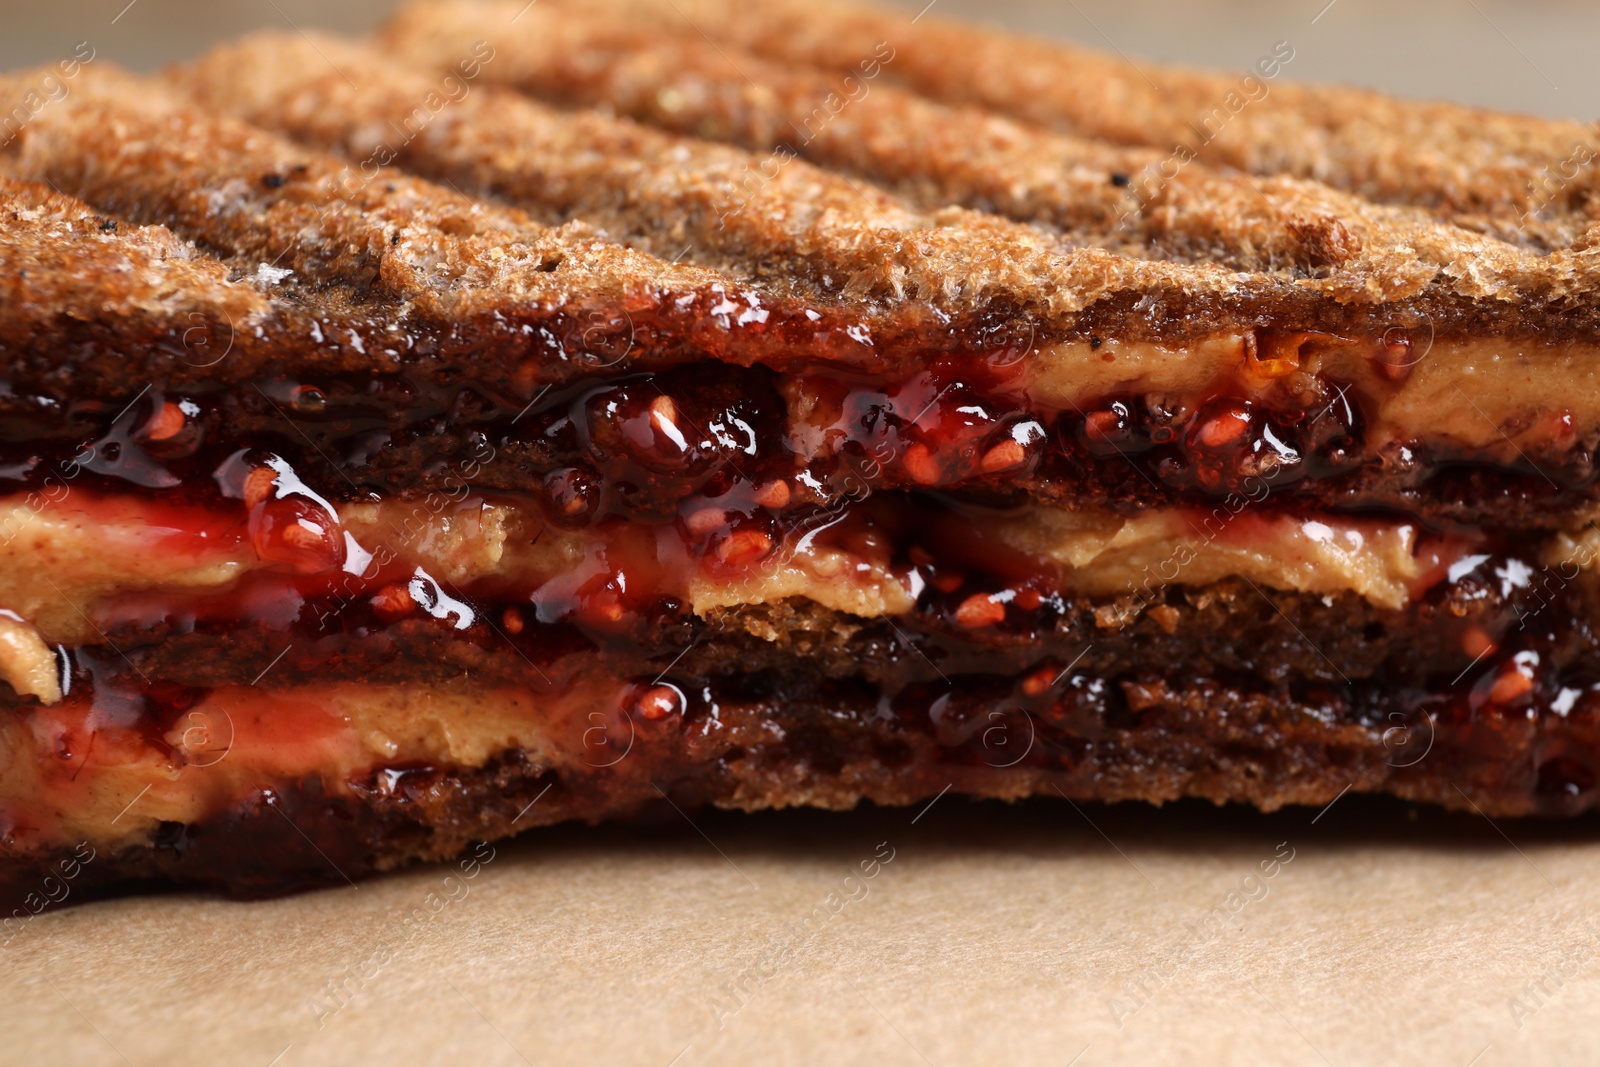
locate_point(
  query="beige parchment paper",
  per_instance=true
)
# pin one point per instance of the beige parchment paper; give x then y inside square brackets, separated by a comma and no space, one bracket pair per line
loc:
[959,933]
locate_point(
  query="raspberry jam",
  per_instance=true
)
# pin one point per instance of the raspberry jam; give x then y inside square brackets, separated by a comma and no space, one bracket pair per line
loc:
[652,489]
[638,447]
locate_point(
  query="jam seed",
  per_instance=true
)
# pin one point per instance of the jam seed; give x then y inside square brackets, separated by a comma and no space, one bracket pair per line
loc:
[664,420]
[1038,682]
[1393,355]
[259,485]
[167,423]
[1510,687]
[658,702]
[393,600]
[1224,428]
[572,491]
[511,619]
[921,465]
[305,535]
[1101,425]
[980,610]
[774,494]
[1477,643]
[1003,456]
[743,546]
[706,521]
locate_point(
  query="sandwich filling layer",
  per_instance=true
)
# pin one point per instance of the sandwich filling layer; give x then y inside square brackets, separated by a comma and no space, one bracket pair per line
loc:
[97,585]
[359,582]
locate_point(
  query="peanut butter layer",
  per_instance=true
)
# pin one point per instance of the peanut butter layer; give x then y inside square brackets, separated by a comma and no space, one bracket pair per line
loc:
[236,739]
[1487,396]
[77,568]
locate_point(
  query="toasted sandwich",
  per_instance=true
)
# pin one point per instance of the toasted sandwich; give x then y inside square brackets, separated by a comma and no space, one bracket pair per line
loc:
[549,413]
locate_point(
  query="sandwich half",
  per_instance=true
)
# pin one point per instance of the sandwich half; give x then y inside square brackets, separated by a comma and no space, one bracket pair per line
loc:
[547,413]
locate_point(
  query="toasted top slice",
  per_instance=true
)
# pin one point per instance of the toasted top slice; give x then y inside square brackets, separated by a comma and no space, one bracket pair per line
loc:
[1509,174]
[609,188]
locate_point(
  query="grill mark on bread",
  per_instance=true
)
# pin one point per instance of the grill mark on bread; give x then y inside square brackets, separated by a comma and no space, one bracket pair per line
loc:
[252,195]
[393,271]
[132,149]
[819,236]
[687,85]
[1282,229]
[1478,167]
[350,261]
[59,252]
[936,155]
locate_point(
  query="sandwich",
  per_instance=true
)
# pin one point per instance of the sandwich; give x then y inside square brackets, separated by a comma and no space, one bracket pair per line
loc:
[551,413]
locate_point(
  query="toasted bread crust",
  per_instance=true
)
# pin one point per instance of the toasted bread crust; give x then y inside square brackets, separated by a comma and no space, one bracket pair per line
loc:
[653,174]
[436,280]
[1145,202]
[1482,168]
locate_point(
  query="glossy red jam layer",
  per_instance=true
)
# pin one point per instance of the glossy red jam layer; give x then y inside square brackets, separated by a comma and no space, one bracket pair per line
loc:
[648,447]
[313,583]
[1483,620]
[273,553]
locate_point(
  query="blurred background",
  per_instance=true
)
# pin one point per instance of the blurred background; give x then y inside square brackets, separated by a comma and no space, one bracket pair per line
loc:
[1534,56]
